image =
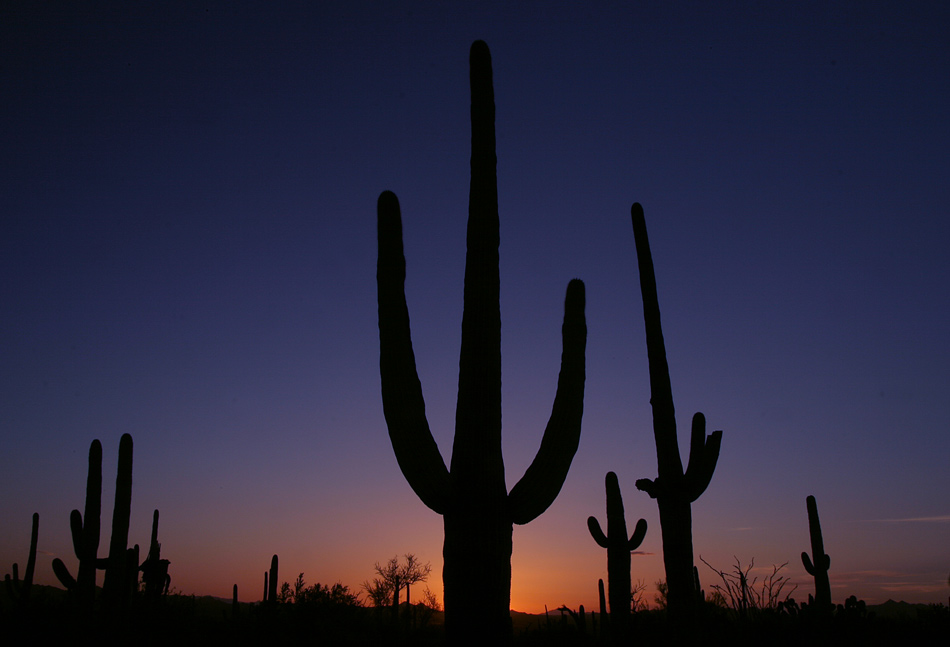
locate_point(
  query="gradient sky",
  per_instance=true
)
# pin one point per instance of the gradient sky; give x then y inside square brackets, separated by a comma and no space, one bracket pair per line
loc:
[188,254]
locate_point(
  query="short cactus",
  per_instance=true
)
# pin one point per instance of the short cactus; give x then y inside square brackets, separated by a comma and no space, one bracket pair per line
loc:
[17,588]
[618,554]
[819,567]
[154,569]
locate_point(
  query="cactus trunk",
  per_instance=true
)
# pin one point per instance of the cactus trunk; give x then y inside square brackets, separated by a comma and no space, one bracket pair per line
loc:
[116,585]
[472,495]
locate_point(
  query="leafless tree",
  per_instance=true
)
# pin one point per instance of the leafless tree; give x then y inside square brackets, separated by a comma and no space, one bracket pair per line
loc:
[741,594]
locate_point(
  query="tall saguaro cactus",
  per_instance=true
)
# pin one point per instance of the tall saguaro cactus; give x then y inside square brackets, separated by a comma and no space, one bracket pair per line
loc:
[817,568]
[673,489]
[471,495]
[618,555]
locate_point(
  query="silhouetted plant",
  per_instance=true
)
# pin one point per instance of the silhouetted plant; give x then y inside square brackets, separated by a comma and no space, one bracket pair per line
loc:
[740,594]
[637,591]
[472,496]
[85,534]
[20,589]
[270,586]
[673,489]
[817,568]
[154,569]
[604,630]
[122,565]
[618,554]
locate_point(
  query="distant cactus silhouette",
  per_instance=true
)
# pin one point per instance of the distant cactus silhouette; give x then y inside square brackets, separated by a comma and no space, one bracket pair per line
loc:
[154,569]
[270,585]
[819,567]
[122,565]
[673,489]
[618,555]
[20,589]
[604,625]
[85,533]
[472,496]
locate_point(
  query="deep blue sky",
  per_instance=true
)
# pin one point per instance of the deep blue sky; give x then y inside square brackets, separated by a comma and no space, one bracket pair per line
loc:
[187,254]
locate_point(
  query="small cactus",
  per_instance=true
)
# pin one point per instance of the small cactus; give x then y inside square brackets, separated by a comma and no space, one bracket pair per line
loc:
[154,569]
[603,608]
[17,588]
[270,585]
[618,554]
[819,567]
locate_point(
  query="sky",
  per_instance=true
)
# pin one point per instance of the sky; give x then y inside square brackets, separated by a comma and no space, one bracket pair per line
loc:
[188,255]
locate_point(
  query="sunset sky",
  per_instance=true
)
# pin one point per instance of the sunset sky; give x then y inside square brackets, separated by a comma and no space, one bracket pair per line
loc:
[188,254]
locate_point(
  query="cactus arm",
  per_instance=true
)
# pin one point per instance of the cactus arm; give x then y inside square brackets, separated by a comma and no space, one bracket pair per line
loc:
[542,482]
[595,531]
[703,456]
[651,487]
[62,574]
[76,530]
[661,392]
[638,534]
[809,567]
[403,405]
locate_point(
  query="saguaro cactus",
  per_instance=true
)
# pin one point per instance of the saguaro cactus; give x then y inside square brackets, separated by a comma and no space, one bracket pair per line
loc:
[155,569]
[673,489]
[819,567]
[272,587]
[603,607]
[85,533]
[472,496]
[17,588]
[115,586]
[618,554]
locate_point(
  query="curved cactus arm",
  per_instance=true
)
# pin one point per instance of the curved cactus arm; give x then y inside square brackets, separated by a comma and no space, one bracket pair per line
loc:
[595,531]
[62,574]
[638,534]
[809,567]
[703,456]
[543,479]
[403,405]
[76,530]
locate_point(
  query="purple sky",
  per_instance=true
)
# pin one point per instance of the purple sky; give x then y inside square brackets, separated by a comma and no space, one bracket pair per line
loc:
[188,251]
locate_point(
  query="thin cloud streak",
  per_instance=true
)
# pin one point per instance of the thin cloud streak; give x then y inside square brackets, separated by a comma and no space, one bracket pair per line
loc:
[937,519]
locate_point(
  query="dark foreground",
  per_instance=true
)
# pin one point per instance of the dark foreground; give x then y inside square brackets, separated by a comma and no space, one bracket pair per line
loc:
[189,620]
